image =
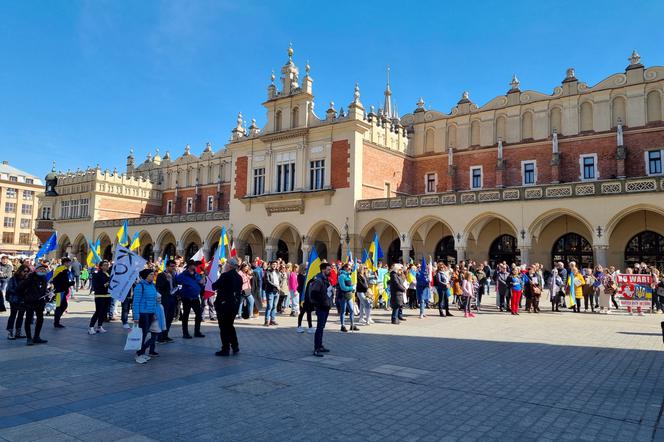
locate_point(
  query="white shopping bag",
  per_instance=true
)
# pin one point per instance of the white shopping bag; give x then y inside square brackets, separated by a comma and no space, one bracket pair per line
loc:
[134,339]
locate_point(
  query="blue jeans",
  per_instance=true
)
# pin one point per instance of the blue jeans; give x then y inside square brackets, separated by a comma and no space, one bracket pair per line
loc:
[250,305]
[423,298]
[321,320]
[347,304]
[271,309]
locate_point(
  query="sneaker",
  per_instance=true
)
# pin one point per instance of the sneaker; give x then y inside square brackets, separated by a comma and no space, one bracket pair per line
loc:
[101,330]
[18,335]
[324,350]
[421,316]
[273,323]
[199,335]
[640,314]
[471,314]
[10,335]
[311,330]
[59,326]
[300,330]
[140,359]
[91,331]
[343,328]
[354,328]
[318,353]
[126,326]
[371,321]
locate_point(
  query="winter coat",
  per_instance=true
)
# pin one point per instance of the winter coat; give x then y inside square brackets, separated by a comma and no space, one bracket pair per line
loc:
[397,289]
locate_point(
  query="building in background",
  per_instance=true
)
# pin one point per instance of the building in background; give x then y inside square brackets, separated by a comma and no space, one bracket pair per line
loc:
[18,210]
[528,176]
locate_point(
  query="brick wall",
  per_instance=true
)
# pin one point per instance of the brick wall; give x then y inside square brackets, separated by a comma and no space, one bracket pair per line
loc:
[380,166]
[241,174]
[201,205]
[340,172]
[636,145]
[114,208]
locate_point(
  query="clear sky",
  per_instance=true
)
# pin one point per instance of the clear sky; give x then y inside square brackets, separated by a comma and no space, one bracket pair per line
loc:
[83,81]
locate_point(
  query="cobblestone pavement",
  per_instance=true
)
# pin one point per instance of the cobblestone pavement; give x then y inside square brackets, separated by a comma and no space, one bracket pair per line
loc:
[550,376]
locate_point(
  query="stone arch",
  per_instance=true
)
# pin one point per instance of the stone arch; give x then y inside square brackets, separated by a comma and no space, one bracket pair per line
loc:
[64,246]
[426,233]
[475,138]
[556,120]
[618,111]
[387,235]
[527,125]
[167,243]
[146,249]
[251,242]
[623,227]
[190,242]
[543,220]
[326,238]
[482,231]
[286,241]
[80,248]
[586,116]
[429,140]
[654,106]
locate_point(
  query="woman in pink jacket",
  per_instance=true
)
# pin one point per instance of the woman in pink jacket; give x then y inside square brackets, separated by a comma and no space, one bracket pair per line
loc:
[293,295]
[467,293]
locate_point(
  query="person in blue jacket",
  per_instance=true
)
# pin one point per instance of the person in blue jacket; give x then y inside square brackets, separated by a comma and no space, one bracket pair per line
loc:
[346,293]
[145,306]
[190,293]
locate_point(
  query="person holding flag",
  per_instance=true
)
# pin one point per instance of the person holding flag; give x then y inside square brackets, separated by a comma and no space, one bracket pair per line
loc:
[62,281]
[168,289]
[575,283]
[313,269]
[192,285]
[422,286]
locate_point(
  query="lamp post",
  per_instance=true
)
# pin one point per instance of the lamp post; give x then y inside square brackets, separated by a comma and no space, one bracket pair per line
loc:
[346,236]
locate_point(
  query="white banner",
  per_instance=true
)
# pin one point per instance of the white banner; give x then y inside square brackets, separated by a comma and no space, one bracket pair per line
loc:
[125,270]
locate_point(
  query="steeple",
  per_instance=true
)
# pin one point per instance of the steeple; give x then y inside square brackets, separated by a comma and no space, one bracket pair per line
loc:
[130,161]
[387,106]
[289,74]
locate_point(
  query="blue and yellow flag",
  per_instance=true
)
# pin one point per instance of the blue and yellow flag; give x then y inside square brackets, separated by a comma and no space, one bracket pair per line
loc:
[123,234]
[375,252]
[314,266]
[223,242]
[93,255]
[135,241]
[366,261]
[572,291]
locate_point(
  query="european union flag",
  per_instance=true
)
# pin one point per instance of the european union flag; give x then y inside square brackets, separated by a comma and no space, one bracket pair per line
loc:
[50,245]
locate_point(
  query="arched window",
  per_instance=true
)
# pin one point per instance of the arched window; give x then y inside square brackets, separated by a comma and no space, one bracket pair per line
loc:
[504,248]
[647,247]
[277,121]
[586,116]
[295,117]
[654,107]
[501,128]
[556,120]
[321,249]
[573,247]
[445,250]
[282,250]
[190,251]
[475,133]
[429,139]
[148,253]
[169,251]
[618,111]
[451,136]
[527,126]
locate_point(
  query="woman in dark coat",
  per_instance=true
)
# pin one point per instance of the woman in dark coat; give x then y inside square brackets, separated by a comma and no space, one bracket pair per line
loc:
[397,290]
[16,304]
[33,291]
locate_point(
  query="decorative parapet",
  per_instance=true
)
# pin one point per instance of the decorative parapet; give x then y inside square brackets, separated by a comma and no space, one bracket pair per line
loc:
[572,190]
[165,219]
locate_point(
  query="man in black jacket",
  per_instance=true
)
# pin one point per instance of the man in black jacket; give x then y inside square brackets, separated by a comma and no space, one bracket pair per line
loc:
[229,292]
[320,294]
[62,281]
[168,290]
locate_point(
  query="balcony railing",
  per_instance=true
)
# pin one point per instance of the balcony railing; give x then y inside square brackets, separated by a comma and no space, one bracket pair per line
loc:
[543,192]
[165,219]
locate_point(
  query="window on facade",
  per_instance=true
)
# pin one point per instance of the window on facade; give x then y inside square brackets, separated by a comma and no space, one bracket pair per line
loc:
[73,208]
[46,213]
[25,223]
[27,194]
[13,178]
[64,210]
[7,237]
[29,181]
[430,182]
[259,181]
[10,192]
[24,239]
[317,175]
[26,209]
[529,173]
[654,162]
[10,207]
[476,178]
[210,203]
[190,205]
[169,207]
[84,209]
[588,167]
[286,172]
[9,221]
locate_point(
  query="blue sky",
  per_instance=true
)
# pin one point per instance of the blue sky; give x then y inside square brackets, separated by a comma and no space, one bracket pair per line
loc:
[83,81]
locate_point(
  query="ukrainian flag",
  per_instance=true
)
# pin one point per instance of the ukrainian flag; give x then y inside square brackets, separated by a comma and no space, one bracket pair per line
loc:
[572,291]
[366,260]
[59,296]
[135,242]
[223,242]
[123,234]
[93,255]
[375,252]
[314,266]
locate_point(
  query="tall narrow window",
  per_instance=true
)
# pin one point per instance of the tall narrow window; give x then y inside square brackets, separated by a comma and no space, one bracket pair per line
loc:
[295,118]
[169,207]
[190,205]
[210,203]
[475,177]
[528,173]
[259,181]
[64,210]
[654,165]
[277,121]
[430,182]
[588,165]
[317,175]
[285,172]
[84,207]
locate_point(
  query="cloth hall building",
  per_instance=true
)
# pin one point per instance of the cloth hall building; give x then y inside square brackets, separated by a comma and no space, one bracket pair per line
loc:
[529,176]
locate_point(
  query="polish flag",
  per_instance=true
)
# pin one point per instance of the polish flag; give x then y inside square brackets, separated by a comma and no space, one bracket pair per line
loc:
[233,250]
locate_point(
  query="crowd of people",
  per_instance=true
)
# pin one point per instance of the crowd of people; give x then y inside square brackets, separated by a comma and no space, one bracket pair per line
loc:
[173,290]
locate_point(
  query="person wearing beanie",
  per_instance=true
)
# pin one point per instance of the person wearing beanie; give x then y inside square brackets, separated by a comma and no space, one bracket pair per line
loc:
[229,296]
[145,309]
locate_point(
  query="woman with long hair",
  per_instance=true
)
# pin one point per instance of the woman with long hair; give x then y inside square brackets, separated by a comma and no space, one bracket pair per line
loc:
[467,294]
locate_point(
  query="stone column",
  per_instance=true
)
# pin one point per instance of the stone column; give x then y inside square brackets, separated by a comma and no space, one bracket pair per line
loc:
[405,253]
[500,172]
[555,168]
[156,251]
[451,175]
[525,254]
[270,252]
[601,254]
[461,254]
[621,153]
[179,248]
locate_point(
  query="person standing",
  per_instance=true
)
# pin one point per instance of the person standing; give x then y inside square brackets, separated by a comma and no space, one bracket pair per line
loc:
[271,294]
[245,273]
[397,289]
[33,292]
[229,288]
[516,287]
[556,286]
[576,286]
[62,281]
[422,283]
[168,290]
[320,294]
[364,297]
[192,283]
[145,308]
[100,283]
[76,269]
[6,271]
[305,302]
[467,294]
[16,303]
[346,292]
[442,284]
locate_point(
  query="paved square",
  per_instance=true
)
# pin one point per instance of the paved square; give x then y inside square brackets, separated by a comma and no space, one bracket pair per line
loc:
[496,377]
